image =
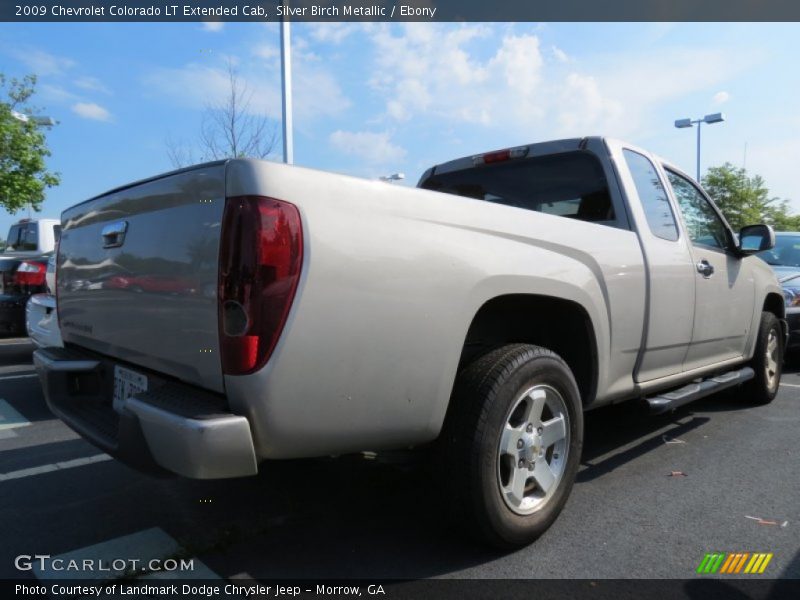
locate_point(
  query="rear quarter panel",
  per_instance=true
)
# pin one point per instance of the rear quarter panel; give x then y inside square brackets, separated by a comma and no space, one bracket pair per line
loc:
[391,280]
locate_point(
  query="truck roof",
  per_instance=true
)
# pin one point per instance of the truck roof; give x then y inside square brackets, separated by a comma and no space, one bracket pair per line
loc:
[541,149]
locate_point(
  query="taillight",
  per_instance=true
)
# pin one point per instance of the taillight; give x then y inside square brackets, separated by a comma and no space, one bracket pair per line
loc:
[31,274]
[500,156]
[261,252]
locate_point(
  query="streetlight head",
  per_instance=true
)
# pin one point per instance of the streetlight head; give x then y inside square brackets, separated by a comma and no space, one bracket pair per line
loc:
[44,121]
[715,118]
[393,177]
[683,123]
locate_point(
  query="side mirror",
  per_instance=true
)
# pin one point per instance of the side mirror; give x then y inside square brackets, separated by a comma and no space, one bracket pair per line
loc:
[755,238]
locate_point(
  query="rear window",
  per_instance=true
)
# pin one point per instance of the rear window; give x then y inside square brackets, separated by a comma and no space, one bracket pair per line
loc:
[570,185]
[23,237]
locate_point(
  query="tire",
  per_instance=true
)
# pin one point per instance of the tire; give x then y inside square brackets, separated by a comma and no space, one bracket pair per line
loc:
[488,471]
[767,362]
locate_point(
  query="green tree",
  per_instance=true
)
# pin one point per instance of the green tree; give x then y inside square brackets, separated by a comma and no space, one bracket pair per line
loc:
[744,199]
[23,149]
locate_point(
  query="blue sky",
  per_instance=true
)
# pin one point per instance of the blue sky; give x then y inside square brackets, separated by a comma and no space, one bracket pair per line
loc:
[372,99]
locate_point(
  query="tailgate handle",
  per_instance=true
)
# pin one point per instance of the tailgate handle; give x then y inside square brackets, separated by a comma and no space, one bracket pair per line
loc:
[114,234]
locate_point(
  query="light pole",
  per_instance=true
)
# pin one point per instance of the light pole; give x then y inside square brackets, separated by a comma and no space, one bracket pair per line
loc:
[286,90]
[709,120]
[392,177]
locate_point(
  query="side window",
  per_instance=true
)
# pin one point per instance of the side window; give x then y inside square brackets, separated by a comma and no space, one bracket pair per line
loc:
[13,237]
[704,226]
[652,195]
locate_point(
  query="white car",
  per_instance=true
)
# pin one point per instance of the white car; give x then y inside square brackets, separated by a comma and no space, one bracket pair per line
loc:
[40,313]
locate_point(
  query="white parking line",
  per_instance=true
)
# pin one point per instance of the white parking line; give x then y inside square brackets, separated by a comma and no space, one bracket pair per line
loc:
[16,342]
[59,466]
[25,376]
[10,418]
[791,385]
[138,552]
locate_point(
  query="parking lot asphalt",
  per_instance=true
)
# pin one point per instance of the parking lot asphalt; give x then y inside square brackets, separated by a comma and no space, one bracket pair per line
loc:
[653,496]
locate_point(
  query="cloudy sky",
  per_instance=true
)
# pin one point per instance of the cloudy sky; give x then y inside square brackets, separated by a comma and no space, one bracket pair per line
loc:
[372,99]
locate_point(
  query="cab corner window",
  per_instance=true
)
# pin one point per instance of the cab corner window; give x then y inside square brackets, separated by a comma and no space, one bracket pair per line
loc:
[652,195]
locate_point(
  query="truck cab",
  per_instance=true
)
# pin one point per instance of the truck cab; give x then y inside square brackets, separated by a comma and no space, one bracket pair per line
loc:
[32,237]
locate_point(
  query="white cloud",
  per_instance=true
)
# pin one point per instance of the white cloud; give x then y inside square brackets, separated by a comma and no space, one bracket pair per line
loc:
[374,148]
[193,85]
[497,77]
[213,26]
[43,63]
[332,32]
[720,98]
[91,84]
[559,54]
[55,93]
[582,105]
[266,51]
[90,110]
[316,92]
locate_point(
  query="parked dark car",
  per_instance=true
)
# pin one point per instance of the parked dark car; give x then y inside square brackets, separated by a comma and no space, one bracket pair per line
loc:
[20,278]
[784,259]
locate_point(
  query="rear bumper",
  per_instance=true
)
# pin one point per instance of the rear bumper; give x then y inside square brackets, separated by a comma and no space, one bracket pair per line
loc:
[12,313]
[171,428]
[41,322]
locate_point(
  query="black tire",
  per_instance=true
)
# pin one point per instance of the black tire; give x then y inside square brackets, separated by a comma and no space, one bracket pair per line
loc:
[471,463]
[763,388]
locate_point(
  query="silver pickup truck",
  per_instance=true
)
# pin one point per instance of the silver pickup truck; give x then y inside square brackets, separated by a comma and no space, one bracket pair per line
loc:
[241,311]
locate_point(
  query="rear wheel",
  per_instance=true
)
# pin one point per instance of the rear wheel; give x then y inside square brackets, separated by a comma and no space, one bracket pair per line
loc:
[511,444]
[767,361]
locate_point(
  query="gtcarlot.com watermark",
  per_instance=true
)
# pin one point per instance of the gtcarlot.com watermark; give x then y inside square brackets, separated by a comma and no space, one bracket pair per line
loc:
[45,562]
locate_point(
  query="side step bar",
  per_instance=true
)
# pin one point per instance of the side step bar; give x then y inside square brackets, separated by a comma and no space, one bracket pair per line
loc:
[694,391]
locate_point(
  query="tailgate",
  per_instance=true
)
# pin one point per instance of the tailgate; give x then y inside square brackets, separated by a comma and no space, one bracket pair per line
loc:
[137,274]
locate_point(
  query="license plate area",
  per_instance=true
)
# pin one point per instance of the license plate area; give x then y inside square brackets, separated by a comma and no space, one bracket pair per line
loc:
[127,383]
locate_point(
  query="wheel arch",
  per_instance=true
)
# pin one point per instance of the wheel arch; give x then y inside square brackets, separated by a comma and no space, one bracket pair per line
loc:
[563,326]
[775,304]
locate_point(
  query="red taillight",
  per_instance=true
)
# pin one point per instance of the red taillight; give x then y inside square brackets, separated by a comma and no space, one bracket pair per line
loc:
[261,252]
[494,157]
[31,274]
[500,156]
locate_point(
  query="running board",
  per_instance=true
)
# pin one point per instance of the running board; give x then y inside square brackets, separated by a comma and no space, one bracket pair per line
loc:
[694,391]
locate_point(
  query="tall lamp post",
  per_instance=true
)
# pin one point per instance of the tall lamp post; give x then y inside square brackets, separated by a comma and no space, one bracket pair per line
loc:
[286,90]
[709,120]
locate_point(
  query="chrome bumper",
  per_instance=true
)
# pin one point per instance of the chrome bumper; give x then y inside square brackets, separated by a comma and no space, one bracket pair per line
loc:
[174,427]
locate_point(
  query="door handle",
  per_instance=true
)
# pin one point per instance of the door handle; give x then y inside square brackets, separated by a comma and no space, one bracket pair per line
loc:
[705,268]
